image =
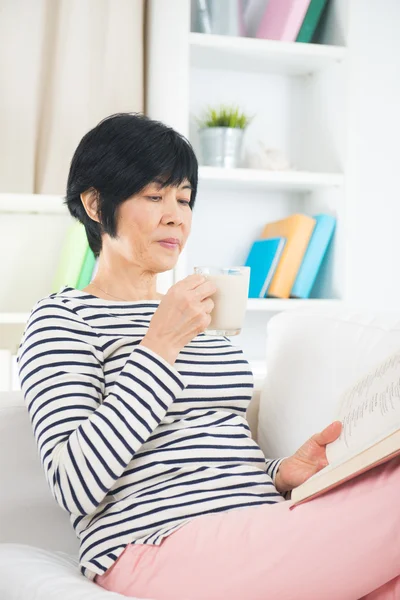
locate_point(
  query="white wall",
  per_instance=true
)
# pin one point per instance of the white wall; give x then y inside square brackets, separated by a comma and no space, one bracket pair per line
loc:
[373,173]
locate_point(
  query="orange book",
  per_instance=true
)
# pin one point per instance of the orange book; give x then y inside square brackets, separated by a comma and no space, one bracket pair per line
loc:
[297,229]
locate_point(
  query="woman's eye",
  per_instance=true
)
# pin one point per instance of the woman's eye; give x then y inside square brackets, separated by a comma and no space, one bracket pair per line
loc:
[158,198]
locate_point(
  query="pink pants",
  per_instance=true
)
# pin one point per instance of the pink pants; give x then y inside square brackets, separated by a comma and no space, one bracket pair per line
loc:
[344,545]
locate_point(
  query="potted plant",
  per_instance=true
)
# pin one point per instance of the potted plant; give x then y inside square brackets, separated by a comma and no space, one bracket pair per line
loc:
[221,134]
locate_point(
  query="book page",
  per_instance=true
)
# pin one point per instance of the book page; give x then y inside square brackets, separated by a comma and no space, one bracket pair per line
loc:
[369,411]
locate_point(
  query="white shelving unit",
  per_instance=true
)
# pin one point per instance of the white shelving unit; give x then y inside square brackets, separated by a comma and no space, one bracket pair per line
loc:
[32,204]
[254,55]
[253,180]
[268,305]
[32,229]
[296,94]
[13,318]
[272,305]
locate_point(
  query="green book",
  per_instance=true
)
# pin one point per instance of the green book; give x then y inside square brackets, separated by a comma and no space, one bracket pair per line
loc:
[85,276]
[73,255]
[311,20]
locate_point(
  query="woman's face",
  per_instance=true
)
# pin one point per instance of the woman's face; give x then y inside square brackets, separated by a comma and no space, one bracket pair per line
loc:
[153,215]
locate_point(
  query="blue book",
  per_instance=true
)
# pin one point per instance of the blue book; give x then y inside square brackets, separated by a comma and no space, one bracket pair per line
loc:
[263,259]
[314,255]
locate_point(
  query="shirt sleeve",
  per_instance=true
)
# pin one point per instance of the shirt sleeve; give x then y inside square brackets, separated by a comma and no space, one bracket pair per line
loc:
[273,467]
[86,439]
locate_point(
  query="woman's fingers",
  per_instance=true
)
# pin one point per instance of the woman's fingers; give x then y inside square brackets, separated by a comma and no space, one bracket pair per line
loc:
[329,434]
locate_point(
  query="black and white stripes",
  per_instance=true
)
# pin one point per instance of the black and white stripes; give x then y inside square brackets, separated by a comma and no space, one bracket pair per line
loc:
[133,448]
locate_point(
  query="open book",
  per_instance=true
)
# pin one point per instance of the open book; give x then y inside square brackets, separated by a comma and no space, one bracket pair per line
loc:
[370,415]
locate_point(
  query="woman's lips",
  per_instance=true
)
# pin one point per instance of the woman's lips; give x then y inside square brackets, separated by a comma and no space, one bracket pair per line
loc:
[170,245]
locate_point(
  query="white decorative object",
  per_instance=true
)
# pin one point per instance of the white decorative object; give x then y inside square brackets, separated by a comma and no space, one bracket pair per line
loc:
[270,159]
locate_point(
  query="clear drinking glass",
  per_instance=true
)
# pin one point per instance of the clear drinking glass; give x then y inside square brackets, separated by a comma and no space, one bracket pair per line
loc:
[230,299]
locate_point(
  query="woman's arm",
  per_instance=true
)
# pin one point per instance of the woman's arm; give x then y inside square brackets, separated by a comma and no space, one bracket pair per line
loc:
[86,440]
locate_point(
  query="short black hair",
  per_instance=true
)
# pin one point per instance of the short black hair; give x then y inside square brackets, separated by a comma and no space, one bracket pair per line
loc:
[117,159]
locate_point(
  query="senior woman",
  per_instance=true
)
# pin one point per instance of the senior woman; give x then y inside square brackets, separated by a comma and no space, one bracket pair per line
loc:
[140,418]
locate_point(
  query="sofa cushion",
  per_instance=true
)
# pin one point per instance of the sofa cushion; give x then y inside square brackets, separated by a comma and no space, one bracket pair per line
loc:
[28,512]
[28,572]
[312,357]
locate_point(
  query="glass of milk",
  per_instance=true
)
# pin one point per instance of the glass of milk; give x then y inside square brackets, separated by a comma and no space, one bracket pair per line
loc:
[230,299]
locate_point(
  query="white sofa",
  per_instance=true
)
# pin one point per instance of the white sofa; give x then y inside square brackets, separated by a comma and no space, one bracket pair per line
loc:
[311,357]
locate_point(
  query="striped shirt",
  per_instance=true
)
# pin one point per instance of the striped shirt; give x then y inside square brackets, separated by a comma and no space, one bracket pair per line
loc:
[132,447]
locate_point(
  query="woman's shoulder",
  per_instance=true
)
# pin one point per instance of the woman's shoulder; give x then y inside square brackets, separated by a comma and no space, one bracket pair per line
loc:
[55,318]
[57,310]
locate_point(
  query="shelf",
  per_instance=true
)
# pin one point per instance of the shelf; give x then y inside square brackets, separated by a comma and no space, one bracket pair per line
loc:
[252,179]
[13,318]
[253,304]
[277,305]
[251,54]
[32,204]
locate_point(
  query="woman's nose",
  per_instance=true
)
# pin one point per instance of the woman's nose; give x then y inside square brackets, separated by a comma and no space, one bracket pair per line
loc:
[172,213]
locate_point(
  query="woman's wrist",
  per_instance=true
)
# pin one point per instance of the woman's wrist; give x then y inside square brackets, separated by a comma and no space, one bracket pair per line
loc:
[164,350]
[280,485]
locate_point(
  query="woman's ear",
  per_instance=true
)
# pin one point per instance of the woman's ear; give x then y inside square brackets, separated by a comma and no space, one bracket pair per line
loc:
[90,201]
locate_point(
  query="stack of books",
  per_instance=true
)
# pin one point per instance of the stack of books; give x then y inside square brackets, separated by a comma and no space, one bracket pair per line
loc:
[285,261]
[285,20]
[77,263]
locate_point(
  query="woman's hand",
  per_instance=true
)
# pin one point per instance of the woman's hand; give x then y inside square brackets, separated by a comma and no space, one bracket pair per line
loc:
[184,312]
[308,460]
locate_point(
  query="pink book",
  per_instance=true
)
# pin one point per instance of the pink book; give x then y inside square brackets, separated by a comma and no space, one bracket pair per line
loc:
[282,19]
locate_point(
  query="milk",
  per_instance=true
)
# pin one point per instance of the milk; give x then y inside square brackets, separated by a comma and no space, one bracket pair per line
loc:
[230,301]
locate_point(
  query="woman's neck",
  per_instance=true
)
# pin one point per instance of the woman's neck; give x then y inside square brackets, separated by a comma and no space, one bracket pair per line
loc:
[112,282]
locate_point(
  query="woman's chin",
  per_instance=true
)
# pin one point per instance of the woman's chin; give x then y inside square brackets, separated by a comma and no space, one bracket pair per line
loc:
[165,259]
[167,264]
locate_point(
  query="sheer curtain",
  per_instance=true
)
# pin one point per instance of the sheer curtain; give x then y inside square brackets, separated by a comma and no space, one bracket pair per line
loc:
[64,65]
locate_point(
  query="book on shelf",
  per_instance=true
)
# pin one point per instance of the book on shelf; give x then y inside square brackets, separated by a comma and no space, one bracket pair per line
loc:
[311,20]
[297,230]
[370,413]
[73,255]
[314,256]
[263,259]
[77,264]
[253,11]
[86,274]
[282,19]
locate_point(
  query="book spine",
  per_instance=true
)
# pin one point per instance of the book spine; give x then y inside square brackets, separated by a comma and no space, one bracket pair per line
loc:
[72,257]
[273,268]
[311,20]
[314,256]
[295,20]
[282,19]
[203,17]
[85,276]
[292,256]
